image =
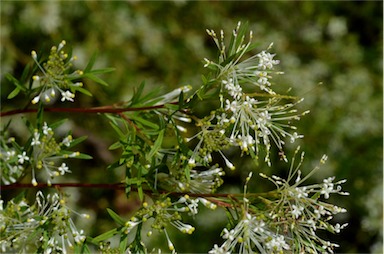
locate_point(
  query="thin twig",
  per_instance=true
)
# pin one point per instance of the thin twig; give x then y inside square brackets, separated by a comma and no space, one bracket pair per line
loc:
[121,186]
[103,109]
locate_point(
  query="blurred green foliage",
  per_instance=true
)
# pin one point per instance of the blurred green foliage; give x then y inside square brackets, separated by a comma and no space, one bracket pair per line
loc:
[338,44]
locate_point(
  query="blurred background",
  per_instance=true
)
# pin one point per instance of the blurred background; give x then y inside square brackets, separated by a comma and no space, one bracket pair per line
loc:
[331,53]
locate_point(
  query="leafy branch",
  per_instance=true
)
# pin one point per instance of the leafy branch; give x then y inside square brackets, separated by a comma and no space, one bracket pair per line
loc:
[173,158]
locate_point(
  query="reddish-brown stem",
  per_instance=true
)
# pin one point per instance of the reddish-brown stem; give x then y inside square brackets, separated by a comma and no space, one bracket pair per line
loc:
[116,186]
[104,109]
[62,185]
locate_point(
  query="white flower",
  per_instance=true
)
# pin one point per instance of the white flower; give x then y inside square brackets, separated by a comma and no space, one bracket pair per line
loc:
[230,235]
[299,192]
[311,223]
[23,157]
[266,60]
[193,206]
[234,89]
[63,169]
[339,227]
[246,141]
[79,236]
[35,140]
[320,211]
[221,120]
[67,140]
[295,136]
[296,211]
[67,95]
[231,105]
[277,243]
[218,250]
[327,187]
[46,129]
[10,154]
[259,226]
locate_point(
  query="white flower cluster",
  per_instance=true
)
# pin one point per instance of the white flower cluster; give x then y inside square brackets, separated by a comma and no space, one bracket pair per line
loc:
[167,212]
[54,77]
[46,151]
[250,234]
[46,224]
[42,156]
[250,118]
[293,217]
[11,163]
[304,212]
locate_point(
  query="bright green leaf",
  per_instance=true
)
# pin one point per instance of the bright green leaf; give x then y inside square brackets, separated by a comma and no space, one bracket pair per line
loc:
[120,221]
[14,93]
[96,79]
[104,236]
[144,122]
[156,145]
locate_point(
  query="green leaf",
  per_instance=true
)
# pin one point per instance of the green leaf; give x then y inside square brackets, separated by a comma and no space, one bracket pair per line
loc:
[123,243]
[144,122]
[138,99]
[84,156]
[82,90]
[115,146]
[28,70]
[15,81]
[13,94]
[140,192]
[104,236]
[40,117]
[120,221]
[83,248]
[100,71]
[95,78]
[113,165]
[137,92]
[156,145]
[91,62]
[316,196]
[172,107]
[77,141]
[187,172]
[117,129]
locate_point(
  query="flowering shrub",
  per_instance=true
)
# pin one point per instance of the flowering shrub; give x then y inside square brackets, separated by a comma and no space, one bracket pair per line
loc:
[173,157]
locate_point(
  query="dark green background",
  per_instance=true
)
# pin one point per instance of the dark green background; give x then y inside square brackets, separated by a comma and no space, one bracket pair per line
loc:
[163,43]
